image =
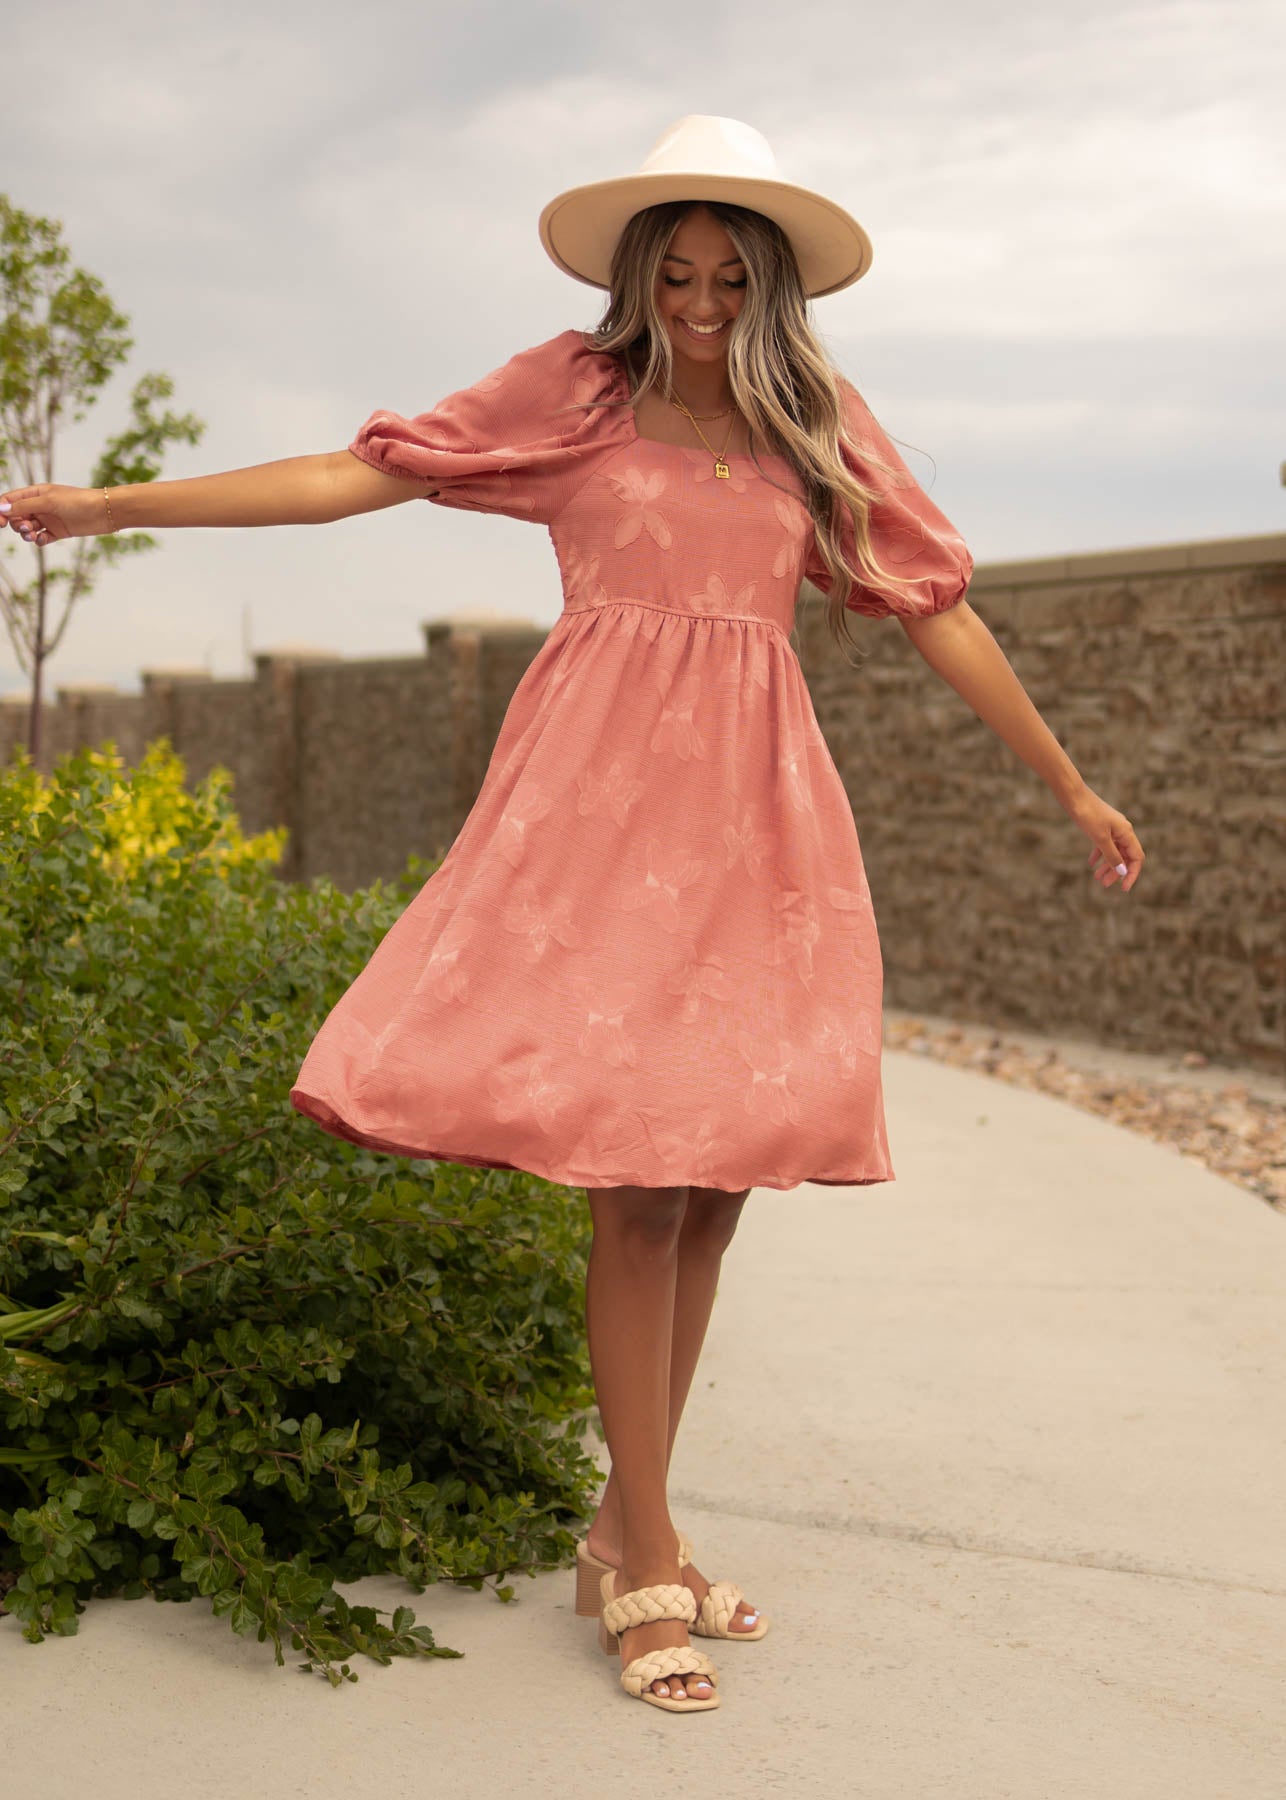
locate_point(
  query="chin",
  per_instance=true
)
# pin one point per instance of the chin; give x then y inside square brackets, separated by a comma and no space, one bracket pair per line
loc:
[691,347]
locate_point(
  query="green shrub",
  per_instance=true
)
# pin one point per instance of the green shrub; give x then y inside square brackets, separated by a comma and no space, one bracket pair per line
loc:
[239,1357]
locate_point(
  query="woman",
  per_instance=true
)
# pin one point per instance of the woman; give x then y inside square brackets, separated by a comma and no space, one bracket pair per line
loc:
[648,965]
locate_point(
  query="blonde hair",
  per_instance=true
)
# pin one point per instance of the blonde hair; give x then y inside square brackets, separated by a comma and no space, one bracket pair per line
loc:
[781,378]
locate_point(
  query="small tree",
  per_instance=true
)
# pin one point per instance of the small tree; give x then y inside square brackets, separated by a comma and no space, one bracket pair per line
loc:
[61,338]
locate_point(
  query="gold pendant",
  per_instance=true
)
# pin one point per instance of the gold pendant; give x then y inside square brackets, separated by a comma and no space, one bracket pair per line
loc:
[721,470]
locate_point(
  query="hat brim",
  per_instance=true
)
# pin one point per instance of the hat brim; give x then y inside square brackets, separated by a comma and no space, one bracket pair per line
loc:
[580,228]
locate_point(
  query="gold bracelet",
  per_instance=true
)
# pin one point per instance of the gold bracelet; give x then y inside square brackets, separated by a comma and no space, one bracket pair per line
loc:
[110,519]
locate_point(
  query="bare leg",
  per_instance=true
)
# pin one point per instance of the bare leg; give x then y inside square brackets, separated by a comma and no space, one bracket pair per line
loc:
[709,1223]
[629,1318]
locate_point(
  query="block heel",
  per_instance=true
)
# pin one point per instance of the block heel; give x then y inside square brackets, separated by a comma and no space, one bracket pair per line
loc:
[589,1576]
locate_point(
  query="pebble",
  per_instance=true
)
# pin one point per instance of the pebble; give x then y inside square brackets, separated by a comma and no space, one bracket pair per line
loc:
[1233,1124]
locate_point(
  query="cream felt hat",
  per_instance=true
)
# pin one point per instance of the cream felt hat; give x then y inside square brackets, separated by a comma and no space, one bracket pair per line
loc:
[702,157]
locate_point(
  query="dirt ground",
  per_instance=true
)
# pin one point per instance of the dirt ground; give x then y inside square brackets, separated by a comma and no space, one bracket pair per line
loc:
[1233,1120]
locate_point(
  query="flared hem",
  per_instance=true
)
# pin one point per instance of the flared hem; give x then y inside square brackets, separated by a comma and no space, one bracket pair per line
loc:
[325,1116]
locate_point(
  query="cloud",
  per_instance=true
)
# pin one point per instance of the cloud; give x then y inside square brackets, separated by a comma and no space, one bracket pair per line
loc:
[309,214]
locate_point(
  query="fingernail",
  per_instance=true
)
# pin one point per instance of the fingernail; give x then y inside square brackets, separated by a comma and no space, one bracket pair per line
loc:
[6,505]
[1120,868]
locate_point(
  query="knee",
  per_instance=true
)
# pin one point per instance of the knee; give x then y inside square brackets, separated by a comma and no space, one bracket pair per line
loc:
[713,1215]
[645,1221]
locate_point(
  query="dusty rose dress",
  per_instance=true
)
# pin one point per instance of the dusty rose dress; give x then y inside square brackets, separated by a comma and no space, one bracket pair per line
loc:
[649,956]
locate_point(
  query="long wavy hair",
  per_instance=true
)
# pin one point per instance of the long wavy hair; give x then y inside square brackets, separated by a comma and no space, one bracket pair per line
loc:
[781,378]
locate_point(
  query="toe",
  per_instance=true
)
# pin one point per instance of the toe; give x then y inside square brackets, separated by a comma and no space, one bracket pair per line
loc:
[662,1688]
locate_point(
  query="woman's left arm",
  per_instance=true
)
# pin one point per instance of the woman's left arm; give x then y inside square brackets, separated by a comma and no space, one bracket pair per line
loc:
[957,645]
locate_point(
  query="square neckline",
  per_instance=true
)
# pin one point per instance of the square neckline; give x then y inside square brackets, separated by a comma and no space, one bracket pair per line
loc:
[697,449]
[664,443]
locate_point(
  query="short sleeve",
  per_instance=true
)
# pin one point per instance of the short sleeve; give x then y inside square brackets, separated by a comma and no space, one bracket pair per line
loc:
[505,445]
[911,538]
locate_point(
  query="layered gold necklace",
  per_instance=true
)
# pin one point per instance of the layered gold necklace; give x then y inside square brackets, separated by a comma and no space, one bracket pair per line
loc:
[720,466]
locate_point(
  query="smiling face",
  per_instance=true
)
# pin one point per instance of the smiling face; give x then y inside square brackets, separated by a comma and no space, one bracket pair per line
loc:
[702,284]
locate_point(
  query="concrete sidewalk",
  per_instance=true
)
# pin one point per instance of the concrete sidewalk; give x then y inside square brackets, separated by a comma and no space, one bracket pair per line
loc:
[998,1447]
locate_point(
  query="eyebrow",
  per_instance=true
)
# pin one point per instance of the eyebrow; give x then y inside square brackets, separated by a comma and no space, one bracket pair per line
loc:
[725,264]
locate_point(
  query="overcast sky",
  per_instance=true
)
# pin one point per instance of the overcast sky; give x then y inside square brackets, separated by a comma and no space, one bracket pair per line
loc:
[310,212]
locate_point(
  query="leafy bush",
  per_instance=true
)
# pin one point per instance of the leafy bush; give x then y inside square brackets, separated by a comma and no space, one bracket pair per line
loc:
[238,1357]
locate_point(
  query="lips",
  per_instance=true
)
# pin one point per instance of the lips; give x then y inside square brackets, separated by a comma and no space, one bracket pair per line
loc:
[704,336]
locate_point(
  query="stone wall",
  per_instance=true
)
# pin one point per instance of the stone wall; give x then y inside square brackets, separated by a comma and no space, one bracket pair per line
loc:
[1160,670]
[363,759]
[1161,673]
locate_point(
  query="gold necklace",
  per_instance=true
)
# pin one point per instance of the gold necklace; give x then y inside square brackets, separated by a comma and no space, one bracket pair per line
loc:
[705,418]
[720,466]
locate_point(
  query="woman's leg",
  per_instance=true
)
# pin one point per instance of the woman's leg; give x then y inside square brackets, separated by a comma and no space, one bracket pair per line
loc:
[629,1318]
[709,1222]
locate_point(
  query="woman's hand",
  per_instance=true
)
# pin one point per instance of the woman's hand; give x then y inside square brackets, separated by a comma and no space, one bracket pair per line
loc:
[1117,854]
[46,513]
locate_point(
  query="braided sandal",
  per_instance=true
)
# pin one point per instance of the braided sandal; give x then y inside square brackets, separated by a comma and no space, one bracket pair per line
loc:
[642,1606]
[713,1615]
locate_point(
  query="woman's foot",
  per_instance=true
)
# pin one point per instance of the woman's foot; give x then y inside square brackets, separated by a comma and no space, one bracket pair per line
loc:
[607,1548]
[659,1634]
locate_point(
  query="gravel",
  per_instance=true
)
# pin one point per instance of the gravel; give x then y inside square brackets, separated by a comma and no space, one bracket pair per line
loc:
[1232,1120]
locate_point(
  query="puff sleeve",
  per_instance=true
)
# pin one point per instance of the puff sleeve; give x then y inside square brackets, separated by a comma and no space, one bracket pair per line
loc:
[909,535]
[503,445]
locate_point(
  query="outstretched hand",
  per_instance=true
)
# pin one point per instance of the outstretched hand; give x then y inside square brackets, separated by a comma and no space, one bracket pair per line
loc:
[48,512]
[1117,856]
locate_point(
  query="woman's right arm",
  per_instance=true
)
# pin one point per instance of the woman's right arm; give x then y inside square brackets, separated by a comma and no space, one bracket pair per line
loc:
[298,490]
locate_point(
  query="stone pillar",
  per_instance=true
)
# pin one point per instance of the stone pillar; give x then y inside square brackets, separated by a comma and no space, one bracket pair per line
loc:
[161,714]
[276,675]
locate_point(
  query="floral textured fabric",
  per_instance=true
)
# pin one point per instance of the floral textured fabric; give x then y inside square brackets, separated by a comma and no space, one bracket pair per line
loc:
[649,957]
